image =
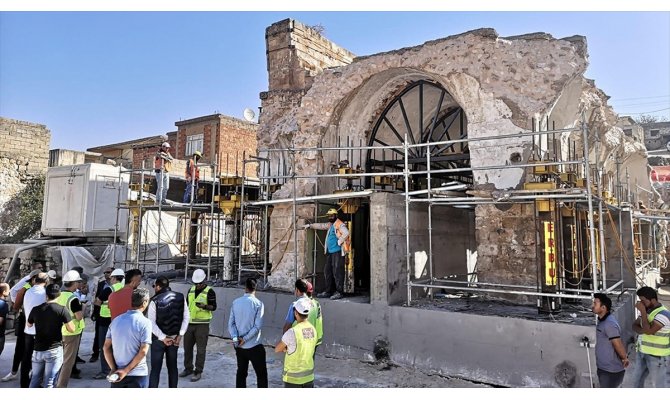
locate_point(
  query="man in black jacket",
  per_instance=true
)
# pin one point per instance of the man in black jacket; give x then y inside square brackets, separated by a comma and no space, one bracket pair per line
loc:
[169,316]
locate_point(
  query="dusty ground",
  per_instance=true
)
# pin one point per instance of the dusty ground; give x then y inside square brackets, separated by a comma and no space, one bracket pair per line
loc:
[221,365]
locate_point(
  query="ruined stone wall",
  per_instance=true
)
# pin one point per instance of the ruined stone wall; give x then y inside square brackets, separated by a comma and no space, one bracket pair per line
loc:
[296,52]
[502,84]
[24,154]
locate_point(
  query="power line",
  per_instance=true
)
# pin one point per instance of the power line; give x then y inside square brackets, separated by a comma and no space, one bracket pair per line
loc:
[649,112]
[639,98]
[644,104]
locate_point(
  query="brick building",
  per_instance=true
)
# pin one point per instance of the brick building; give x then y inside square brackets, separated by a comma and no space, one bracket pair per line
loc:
[213,135]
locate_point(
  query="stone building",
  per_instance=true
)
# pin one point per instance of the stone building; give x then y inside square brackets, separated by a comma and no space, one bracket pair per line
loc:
[472,85]
[656,134]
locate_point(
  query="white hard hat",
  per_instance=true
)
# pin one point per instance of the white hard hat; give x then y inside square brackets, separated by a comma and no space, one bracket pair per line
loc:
[303,305]
[118,272]
[71,276]
[52,274]
[166,144]
[198,276]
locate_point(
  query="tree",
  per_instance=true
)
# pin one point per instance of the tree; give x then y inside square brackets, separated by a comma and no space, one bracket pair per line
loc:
[21,217]
[649,119]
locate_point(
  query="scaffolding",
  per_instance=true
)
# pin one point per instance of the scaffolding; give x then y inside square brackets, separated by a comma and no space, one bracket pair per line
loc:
[564,178]
[205,234]
[598,201]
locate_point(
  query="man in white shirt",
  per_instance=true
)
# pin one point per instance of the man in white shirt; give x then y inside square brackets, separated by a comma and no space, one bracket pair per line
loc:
[34,296]
[169,316]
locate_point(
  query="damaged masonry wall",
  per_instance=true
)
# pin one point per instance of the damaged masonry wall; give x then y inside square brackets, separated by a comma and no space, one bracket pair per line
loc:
[502,84]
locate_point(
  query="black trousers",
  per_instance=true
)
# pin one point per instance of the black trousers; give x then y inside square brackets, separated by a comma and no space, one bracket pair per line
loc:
[19,326]
[610,379]
[96,345]
[27,360]
[158,350]
[256,355]
[334,272]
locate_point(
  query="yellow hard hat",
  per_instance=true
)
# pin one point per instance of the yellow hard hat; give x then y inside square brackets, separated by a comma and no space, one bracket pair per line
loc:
[332,211]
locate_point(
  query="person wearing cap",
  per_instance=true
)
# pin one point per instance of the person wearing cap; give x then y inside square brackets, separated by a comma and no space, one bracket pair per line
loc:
[169,318]
[337,246]
[105,317]
[244,326]
[34,296]
[16,294]
[304,289]
[162,167]
[299,343]
[120,300]
[104,281]
[201,302]
[71,340]
[50,320]
[192,178]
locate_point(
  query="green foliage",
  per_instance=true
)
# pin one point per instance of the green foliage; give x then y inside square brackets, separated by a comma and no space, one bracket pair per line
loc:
[21,217]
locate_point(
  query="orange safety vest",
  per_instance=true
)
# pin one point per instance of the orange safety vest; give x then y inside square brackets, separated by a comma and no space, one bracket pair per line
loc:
[191,165]
[347,242]
[160,163]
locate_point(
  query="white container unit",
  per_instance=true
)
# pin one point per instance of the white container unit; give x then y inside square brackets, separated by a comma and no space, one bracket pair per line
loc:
[81,200]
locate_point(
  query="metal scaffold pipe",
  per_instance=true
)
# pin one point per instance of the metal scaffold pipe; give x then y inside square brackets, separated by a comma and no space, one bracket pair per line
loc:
[592,234]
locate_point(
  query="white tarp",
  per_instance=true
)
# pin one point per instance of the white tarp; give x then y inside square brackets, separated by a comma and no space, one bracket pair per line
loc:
[75,256]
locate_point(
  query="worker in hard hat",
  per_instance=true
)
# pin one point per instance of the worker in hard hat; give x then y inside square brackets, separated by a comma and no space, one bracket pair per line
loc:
[162,168]
[299,343]
[201,302]
[71,340]
[192,178]
[119,300]
[337,245]
[102,283]
[105,317]
[304,289]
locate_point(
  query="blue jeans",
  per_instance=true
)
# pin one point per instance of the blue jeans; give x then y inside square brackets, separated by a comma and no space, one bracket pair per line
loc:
[132,382]
[652,366]
[163,184]
[158,349]
[46,366]
[187,193]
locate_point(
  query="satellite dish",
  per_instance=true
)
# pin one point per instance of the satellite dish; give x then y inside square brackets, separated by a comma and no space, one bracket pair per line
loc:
[249,114]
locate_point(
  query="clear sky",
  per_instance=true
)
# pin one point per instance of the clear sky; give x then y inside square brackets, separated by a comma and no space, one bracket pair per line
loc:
[100,78]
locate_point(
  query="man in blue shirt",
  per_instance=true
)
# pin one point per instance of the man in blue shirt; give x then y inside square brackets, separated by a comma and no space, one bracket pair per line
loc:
[244,326]
[611,358]
[127,344]
[336,247]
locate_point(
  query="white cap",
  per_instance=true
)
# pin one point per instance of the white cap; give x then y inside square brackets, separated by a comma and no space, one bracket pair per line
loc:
[303,305]
[71,276]
[166,144]
[118,272]
[198,276]
[52,274]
